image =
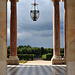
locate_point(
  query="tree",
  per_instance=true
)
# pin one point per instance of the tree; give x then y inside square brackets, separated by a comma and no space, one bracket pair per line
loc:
[20,46]
[8,50]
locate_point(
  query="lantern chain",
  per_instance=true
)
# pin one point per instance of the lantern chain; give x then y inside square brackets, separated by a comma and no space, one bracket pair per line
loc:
[34,4]
[34,1]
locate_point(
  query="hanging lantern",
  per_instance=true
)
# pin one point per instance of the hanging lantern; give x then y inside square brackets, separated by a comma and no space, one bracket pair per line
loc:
[34,12]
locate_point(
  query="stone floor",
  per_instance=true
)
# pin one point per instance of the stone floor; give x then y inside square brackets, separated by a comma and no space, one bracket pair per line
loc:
[38,62]
[36,68]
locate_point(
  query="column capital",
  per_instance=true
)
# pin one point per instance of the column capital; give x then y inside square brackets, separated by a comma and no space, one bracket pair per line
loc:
[16,0]
[53,0]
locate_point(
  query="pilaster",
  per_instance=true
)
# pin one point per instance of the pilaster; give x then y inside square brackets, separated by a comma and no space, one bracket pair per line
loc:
[70,36]
[3,37]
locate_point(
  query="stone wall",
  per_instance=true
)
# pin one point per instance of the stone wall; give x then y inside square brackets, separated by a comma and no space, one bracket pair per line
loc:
[3,38]
[70,36]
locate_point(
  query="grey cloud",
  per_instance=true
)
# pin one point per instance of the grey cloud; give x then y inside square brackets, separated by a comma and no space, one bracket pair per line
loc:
[42,27]
[39,33]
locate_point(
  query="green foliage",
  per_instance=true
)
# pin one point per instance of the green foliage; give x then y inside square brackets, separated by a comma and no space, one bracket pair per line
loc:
[37,51]
[8,50]
[24,56]
[62,55]
[62,50]
[24,61]
[47,56]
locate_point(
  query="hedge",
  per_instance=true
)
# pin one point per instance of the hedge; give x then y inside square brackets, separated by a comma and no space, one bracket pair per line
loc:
[62,55]
[24,56]
[47,56]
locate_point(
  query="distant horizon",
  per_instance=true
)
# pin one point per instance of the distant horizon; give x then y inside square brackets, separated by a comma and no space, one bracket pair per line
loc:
[34,46]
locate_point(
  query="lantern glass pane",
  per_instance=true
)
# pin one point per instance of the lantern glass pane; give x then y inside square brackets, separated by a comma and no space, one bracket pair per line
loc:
[34,14]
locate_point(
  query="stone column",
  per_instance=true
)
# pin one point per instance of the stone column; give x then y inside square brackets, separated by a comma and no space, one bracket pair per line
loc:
[56,34]
[13,59]
[3,37]
[64,28]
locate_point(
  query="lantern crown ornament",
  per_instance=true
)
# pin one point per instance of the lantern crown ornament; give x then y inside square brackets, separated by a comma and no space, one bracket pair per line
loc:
[34,12]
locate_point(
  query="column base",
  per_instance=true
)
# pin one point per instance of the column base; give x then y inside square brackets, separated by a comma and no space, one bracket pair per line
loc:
[64,60]
[56,60]
[13,60]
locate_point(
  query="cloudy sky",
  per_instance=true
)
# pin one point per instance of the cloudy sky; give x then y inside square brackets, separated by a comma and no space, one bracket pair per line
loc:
[40,32]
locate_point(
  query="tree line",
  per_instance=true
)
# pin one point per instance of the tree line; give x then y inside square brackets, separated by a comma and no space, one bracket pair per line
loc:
[37,51]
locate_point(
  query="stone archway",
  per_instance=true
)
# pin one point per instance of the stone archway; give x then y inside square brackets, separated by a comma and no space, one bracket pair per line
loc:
[70,36]
[13,59]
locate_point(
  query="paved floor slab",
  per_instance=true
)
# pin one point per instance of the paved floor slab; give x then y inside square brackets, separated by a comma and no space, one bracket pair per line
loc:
[24,69]
[38,62]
